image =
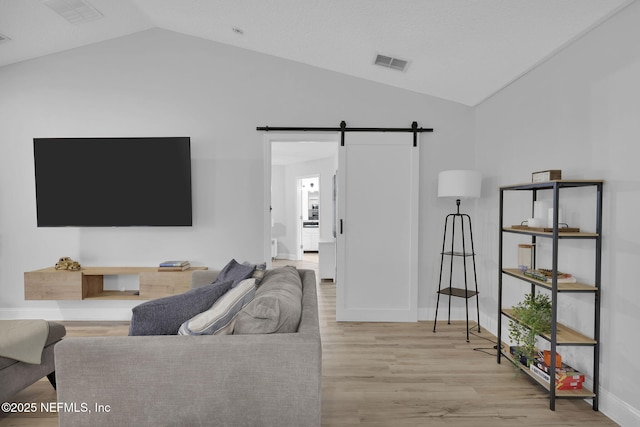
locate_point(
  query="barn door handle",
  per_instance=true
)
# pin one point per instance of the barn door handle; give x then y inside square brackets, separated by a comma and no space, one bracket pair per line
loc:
[340,226]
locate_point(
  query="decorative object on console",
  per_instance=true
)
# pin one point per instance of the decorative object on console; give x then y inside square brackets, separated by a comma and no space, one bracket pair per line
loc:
[66,263]
[548,175]
[460,184]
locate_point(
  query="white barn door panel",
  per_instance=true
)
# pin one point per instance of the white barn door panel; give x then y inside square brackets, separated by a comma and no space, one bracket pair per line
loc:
[377,230]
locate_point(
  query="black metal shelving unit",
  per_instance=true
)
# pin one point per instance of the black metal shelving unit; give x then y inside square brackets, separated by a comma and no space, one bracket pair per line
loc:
[560,335]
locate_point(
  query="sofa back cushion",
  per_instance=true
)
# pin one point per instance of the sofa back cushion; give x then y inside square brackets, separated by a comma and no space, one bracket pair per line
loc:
[276,307]
[163,316]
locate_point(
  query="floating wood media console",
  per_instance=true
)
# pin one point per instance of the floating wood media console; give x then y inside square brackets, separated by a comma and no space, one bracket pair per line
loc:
[88,283]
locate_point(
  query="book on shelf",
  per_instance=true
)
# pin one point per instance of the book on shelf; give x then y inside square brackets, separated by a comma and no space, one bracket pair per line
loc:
[174,266]
[174,263]
[565,373]
[563,383]
[182,268]
[547,276]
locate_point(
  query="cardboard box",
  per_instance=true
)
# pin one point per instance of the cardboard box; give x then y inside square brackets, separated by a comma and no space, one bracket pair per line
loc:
[548,175]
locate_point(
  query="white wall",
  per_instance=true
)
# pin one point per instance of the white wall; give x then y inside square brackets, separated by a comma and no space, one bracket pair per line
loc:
[578,112]
[158,83]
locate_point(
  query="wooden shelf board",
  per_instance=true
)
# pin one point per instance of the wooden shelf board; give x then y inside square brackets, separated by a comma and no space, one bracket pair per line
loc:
[564,335]
[583,393]
[114,295]
[458,253]
[578,235]
[458,292]
[562,287]
[112,271]
[564,183]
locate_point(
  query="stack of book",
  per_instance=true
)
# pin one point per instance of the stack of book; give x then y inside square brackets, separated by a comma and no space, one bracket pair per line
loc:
[547,276]
[174,266]
[567,378]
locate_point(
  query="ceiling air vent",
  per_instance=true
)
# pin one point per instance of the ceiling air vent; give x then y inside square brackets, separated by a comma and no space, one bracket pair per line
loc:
[390,62]
[74,11]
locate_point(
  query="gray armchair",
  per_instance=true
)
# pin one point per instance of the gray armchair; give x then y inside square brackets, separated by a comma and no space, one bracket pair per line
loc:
[15,375]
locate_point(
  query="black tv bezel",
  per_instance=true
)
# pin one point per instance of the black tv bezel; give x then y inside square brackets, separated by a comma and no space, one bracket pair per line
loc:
[188,185]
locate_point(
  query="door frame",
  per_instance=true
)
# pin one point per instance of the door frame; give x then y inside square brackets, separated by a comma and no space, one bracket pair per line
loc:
[268,139]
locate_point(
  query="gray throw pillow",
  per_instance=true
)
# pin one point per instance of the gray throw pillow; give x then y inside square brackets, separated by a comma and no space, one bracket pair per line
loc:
[164,316]
[276,307]
[236,272]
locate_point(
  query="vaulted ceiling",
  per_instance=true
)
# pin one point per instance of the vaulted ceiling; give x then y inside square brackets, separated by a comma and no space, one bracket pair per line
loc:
[459,50]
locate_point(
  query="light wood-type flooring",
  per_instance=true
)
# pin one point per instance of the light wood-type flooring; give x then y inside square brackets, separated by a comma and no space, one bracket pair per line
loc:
[393,374]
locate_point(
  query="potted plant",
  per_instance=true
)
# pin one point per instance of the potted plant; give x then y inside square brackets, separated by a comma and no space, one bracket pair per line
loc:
[534,318]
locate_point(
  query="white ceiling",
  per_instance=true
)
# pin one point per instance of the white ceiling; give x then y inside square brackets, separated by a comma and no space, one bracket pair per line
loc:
[459,50]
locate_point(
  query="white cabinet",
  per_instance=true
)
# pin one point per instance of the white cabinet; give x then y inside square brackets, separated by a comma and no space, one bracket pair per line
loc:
[310,238]
[327,259]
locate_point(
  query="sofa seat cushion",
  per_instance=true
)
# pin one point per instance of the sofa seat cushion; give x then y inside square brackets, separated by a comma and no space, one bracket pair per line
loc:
[276,307]
[164,316]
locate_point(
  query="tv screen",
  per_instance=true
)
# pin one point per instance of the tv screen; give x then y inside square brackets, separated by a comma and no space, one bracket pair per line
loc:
[110,182]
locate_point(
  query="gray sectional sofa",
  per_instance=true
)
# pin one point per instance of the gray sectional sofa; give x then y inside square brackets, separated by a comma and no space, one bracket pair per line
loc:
[210,380]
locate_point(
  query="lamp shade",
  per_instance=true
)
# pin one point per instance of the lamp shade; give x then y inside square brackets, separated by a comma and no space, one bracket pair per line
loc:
[461,184]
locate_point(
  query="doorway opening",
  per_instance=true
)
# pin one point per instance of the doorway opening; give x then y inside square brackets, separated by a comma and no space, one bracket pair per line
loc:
[299,204]
[308,230]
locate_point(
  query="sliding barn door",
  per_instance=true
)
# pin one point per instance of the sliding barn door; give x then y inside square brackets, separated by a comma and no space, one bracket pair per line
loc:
[377,230]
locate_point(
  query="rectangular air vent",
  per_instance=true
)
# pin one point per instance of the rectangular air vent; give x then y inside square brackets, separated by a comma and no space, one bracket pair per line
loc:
[390,62]
[74,11]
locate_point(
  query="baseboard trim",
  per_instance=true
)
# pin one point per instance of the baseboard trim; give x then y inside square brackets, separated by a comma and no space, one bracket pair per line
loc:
[618,410]
[287,256]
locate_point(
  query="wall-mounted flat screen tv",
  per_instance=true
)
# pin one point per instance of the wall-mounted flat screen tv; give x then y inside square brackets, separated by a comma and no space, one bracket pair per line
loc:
[113,182]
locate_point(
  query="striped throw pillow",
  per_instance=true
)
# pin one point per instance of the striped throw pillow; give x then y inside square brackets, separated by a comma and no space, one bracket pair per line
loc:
[219,319]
